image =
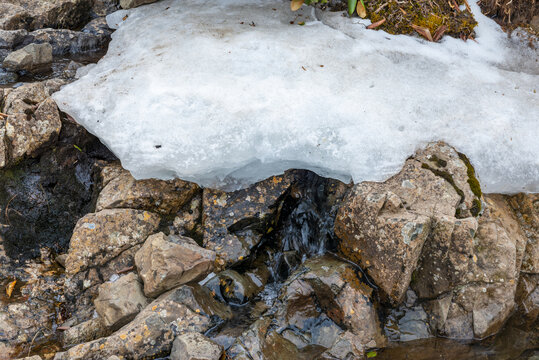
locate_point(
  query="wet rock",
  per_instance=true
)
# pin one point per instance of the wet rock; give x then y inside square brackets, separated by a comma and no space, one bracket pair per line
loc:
[100,237]
[195,346]
[165,262]
[33,57]
[233,287]
[30,15]
[7,77]
[128,4]
[165,197]
[120,301]
[152,332]
[86,331]
[323,307]
[383,226]
[234,222]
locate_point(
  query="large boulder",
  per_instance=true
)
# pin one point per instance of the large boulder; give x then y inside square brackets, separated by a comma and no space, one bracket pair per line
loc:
[120,301]
[165,197]
[383,226]
[165,262]
[100,237]
[152,332]
[33,57]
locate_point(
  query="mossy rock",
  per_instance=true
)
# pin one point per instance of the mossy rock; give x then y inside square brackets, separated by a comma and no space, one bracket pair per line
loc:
[431,14]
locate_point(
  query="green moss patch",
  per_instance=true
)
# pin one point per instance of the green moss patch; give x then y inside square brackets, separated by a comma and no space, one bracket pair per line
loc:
[439,17]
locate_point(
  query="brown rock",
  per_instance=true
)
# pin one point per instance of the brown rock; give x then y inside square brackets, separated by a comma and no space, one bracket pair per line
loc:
[123,191]
[195,346]
[166,262]
[100,237]
[383,226]
[120,301]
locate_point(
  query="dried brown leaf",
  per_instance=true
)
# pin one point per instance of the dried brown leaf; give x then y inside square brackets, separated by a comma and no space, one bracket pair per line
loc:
[439,32]
[423,31]
[296,4]
[361,11]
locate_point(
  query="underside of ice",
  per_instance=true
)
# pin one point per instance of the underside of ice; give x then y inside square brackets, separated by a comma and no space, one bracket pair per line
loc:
[227,93]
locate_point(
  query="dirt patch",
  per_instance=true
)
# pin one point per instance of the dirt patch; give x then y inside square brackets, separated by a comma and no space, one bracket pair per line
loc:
[513,13]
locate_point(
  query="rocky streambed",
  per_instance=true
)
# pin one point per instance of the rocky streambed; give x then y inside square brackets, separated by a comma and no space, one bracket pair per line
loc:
[98,265]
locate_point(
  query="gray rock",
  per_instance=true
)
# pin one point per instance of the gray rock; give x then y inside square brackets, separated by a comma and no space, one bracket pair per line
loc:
[128,4]
[32,57]
[100,237]
[195,346]
[120,301]
[166,262]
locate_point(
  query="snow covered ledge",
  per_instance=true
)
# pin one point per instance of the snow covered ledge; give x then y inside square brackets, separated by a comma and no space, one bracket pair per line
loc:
[227,93]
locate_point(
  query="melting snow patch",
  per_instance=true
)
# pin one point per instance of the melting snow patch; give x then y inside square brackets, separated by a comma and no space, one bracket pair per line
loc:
[232,93]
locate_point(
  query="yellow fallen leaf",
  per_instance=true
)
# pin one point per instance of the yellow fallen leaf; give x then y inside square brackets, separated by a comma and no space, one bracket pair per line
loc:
[10,287]
[361,11]
[296,4]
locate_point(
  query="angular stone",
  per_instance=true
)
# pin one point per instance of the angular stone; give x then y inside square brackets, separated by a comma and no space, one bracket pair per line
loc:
[165,197]
[100,237]
[29,133]
[120,301]
[231,220]
[383,226]
[195,346]
[32,57]
[166,262]
[152,332]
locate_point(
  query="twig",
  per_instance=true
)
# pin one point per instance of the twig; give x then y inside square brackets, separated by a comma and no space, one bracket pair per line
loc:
[7,209]
[124,270]
[34,338]
[376,24]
